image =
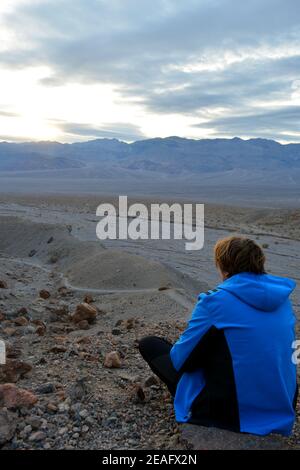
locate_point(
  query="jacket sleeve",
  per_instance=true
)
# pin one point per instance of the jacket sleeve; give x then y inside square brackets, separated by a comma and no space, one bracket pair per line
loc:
[188,352]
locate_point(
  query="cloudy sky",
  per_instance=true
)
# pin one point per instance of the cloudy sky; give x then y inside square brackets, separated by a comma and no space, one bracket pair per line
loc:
[73,70]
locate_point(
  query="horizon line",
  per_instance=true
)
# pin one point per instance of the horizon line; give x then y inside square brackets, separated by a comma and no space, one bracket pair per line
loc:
[143,140]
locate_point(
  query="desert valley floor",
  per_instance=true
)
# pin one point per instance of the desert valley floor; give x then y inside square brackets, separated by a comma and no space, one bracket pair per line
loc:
[51,262]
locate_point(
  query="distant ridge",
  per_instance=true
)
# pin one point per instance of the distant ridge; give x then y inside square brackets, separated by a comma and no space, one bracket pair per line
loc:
[167,155]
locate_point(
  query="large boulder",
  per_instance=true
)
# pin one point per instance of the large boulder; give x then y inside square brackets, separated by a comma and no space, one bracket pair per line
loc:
[13,397]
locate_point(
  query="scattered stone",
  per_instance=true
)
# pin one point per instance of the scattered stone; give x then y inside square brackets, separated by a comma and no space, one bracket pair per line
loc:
[84,312]
[34,422]
[3,284]
[2,316]
[112,360]
[13,397]
[41,330]
[63,291]
[63,431]
[23,311]
[43,360]
[150,381]
[84,340]
[32,253]
[50,240]
[138,394]
[8,426]
[37,436]
[58,349]
[20,321]
[88,299]
[129,323]
[78,390]
[13,370]
[9,331]
[29,330]
[44,294]
[52,407]
[54,258]
[161,288]
[83,414]
[46,388]
[116,332]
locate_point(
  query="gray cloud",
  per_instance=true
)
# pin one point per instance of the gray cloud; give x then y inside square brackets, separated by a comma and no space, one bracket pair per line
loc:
[120,131]
[278,123]
[141,47]
[4,113]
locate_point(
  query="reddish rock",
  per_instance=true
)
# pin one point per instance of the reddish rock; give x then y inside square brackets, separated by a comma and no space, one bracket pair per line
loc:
[3,284]
[21,321]
[9,331]
[23,311]
[44,294]
[41,330]
[129,323]
[2,316]
[88,299]
[52,407]
[13,370]
[13,397]
[84,312]
[112,360]
[84,340]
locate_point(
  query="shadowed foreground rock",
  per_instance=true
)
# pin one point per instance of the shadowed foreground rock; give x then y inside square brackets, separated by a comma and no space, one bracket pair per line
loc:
[202,438]
[8,425]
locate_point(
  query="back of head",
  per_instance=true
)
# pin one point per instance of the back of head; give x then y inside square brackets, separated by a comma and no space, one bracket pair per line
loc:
[234,255]
[240,255]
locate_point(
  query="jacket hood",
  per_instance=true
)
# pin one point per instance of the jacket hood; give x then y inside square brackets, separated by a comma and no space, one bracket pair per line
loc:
[261,291]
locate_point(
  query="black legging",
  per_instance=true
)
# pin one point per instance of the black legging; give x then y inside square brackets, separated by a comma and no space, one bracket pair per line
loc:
[156,352]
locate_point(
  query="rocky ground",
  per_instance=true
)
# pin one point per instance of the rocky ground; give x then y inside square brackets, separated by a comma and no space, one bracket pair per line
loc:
[77,379]
[74,378]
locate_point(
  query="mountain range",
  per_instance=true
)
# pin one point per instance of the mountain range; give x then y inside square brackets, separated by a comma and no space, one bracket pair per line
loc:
[171,155]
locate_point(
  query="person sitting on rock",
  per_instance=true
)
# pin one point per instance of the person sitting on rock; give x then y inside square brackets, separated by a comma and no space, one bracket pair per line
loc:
[234,365]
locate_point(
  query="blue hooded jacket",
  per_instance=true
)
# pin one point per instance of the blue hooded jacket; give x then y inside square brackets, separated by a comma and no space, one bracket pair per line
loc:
[255,317]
